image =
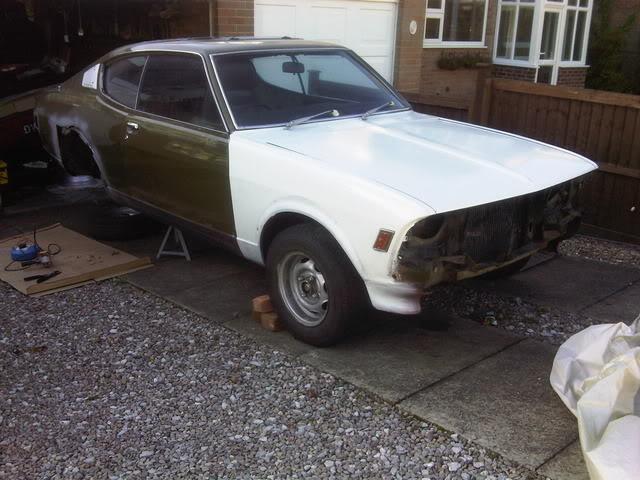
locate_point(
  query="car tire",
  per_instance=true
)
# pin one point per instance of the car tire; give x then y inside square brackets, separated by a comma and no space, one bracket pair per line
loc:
[113,223]
[314,288]
[507,270]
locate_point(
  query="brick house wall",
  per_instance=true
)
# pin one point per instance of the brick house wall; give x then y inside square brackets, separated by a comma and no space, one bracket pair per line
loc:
[514,73]
[234,17]
[408,55]
[572,76]
[417,73]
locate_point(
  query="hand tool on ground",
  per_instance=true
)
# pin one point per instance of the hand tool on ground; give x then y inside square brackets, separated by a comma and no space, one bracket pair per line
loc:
[42,278]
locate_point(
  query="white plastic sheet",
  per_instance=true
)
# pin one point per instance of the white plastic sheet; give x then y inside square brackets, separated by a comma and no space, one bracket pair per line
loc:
[596,373]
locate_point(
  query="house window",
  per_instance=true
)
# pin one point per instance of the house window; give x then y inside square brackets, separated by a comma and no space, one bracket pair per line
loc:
[574,30]
[455,23]
[515,29]
[544,35]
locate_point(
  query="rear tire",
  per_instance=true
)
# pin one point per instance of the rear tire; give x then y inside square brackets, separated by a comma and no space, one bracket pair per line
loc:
[314,288]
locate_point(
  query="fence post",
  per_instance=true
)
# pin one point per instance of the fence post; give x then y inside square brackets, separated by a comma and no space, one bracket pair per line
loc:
[481,100]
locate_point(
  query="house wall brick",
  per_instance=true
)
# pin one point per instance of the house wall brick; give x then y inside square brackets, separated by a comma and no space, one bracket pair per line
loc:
[457,84]
[417,68]
[408,55]
[514,73]
[572,76]
[234,17]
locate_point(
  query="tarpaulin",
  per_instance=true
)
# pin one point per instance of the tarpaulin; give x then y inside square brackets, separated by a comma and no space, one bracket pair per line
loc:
[596,373]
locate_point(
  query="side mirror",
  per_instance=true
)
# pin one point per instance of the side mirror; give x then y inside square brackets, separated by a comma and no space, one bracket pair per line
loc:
[293,67]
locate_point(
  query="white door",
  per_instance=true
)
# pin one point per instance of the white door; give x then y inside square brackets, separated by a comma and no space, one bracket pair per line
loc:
[366,27]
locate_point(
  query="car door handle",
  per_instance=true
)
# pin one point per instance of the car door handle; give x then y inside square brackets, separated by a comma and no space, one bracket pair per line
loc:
[132,127]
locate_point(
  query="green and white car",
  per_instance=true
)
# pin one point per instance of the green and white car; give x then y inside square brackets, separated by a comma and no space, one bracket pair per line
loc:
[299,156]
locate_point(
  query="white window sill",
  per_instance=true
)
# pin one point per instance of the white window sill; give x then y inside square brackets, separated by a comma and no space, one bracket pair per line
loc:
[427,44]
[513,63]
[572,65]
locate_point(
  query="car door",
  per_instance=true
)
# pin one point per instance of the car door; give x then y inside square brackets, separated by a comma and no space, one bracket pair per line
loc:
[177,148]
[107,117]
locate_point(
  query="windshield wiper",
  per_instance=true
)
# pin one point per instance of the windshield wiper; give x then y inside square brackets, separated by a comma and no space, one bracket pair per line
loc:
[299,121]
[368,113]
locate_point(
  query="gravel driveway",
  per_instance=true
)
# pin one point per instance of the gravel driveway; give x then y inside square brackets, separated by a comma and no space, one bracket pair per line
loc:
[107,381]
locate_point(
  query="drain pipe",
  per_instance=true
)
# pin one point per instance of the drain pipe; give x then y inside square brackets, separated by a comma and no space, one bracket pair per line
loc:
[211,18]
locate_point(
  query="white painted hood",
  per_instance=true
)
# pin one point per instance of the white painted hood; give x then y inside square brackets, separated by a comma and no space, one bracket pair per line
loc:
[445,164]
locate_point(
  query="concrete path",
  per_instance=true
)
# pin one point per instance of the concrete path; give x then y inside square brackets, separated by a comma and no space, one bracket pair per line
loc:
[482,382]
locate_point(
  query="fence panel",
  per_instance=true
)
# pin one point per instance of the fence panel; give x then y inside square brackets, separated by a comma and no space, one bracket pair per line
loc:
[602,126]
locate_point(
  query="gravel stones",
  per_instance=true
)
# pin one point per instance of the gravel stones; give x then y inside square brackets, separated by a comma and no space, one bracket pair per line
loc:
[107,381]
[615,253]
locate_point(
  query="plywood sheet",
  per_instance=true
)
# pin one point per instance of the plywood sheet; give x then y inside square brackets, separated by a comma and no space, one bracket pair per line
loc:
[80,261]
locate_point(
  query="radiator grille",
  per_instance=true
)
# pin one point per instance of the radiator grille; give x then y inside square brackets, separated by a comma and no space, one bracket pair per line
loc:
[492,231]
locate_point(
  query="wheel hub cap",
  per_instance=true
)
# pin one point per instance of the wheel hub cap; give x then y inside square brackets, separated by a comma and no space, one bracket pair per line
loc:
[303,288]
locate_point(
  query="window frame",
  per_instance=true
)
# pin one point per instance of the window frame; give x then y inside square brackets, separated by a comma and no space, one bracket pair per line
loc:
[536,33]
[148,53]
[439,13]
[540,7]
[353,55]
[103,73]
[585,39]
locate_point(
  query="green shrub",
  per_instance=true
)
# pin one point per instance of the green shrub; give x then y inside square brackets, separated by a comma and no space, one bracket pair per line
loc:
[605,56]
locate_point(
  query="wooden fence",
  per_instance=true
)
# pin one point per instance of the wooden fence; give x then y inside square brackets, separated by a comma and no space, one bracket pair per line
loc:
[602,126]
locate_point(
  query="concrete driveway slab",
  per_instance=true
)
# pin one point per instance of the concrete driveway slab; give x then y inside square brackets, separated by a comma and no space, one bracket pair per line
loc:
[281,341]
[172,275]
[504,403]
[223,298]
[566,283]
[624,306]
[566,465]
[398,357]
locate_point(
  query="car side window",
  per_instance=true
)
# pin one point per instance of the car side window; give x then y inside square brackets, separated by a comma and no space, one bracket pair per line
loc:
[176,87]
[122,78]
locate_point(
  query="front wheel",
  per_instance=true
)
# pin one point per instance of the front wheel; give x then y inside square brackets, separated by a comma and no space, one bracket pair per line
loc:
[316,291]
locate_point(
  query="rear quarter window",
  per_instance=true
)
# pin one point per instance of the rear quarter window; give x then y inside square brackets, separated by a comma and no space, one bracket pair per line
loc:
[122,79]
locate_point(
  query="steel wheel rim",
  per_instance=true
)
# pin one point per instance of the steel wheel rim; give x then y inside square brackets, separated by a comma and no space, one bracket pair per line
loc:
[303,288]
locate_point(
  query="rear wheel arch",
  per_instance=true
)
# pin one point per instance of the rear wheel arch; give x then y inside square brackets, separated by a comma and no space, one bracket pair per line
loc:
[76,154]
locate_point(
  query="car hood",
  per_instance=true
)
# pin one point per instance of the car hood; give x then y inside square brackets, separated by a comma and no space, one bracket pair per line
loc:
[445,164]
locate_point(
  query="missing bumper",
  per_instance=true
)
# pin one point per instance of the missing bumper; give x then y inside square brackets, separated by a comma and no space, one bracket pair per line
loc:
[469,242]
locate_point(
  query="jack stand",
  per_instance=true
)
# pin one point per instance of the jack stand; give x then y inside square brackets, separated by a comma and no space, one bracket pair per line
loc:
[179,241]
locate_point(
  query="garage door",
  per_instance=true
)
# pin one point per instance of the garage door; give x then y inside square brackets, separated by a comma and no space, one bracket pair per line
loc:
[367,27]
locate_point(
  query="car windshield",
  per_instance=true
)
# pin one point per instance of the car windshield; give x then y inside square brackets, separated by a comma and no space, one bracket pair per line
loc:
[275,88]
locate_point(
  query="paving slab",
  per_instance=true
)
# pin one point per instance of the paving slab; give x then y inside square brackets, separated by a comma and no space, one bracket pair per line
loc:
[504,403]
[224,298]
[623,306]
[171,275]
[566,465]
[281,341]
[569,284]
[398,357]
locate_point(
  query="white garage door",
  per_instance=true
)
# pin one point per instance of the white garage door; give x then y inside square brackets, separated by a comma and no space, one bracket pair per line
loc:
[367,27]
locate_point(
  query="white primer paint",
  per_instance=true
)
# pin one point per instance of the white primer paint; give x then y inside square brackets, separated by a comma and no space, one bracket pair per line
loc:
[90,77]
[356,177]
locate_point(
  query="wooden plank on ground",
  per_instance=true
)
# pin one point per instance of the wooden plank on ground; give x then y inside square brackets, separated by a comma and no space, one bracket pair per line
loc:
[81,259]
